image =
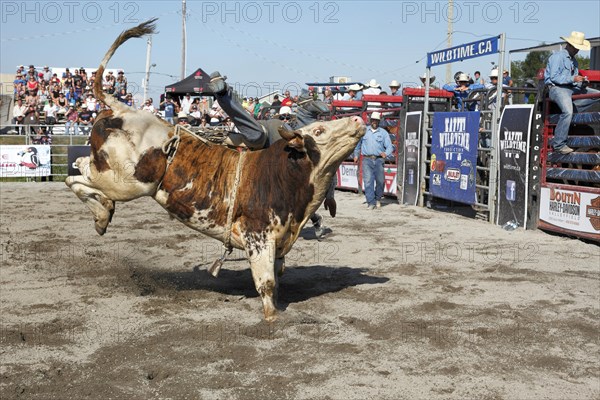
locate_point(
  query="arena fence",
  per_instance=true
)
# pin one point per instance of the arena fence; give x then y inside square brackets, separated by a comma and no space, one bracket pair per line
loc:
[36,136]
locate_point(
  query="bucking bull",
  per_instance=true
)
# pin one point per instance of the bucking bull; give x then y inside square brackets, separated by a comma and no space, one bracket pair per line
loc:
[257,201]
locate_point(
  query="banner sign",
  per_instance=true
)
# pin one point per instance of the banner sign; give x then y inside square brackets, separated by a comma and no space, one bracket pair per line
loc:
[24,161]
[569,209]
[347,178]
[463,52]
[74,153]
[454,155]
[412,152]
[514,135]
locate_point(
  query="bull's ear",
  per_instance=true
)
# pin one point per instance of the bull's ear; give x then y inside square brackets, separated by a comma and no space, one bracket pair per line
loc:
[294,138]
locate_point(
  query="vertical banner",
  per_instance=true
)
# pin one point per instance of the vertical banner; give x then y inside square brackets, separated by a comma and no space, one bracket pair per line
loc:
[24,161]
[454,155]
[514,135]
[74,153]
[412,152]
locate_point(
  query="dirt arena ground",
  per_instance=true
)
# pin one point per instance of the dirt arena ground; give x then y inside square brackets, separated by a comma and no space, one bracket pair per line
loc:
[397,303]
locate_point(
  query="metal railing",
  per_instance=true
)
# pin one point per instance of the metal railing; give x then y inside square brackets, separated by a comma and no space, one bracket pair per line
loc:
[58,142]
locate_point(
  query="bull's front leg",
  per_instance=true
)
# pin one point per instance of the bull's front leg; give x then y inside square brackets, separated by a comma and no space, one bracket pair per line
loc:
[262,264]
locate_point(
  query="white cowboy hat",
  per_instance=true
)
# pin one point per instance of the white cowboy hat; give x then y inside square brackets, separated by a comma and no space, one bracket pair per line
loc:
[394,83]
[285,110]
[463,78]
[355,87]
[577,40]
[182,114]
[424,76]
[373,83]
[376,115]
[494,73]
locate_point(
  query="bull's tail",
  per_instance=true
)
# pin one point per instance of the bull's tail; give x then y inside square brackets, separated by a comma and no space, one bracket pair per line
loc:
[144,28]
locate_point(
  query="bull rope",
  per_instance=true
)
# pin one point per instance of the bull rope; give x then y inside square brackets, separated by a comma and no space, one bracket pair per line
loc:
[169,148]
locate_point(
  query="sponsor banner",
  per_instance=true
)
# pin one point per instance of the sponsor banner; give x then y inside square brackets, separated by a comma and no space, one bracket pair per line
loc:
[514,137]
[74,153]
[463,52]
[347,178]
[24,161]
[412,152]
[454,155]
[573,210]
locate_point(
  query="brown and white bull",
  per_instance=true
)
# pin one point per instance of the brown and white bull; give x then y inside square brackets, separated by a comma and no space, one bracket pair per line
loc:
[268,199]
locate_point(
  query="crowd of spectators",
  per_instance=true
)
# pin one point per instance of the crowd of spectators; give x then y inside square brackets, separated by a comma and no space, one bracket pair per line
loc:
[43,99]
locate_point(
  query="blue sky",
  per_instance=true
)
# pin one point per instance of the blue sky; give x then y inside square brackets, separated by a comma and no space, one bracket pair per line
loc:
[266,44]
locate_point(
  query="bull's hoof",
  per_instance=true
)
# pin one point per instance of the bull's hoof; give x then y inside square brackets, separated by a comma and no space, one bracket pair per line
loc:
[271,316]
[101,227]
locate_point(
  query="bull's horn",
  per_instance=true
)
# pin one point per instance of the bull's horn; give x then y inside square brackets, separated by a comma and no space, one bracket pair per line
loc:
[287,134]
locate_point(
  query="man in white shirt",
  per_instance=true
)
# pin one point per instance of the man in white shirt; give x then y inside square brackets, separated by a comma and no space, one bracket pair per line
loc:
[19,114]
[91,102]
[186,102]
[148,106]
[373,88]
[50,110]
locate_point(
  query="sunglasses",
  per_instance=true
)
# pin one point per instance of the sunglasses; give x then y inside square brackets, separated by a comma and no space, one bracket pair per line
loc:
[285,117]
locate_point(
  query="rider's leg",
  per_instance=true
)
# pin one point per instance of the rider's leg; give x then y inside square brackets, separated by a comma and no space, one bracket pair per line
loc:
[253,134]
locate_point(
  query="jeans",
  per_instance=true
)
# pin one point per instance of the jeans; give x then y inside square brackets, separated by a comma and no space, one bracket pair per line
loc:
[562,97]
[68,127]
[373,179]
[254,135]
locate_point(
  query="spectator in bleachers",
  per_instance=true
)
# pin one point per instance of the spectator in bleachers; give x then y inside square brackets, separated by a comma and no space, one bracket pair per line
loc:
[55,81]
[431,80]
[62,103]
[250,106]
[32,72]
[51,113]
[148,106]
[18,113]
[276,102]
[121,82]
[508,82]
[287,100]
[328,96]
[85,120]
[72,119]
[32,85]
[395,88]
[30,99]
[109,83]
[353,93]
[46,73]
[186,102]
[72,97]
[204,108]
[477,78]
[65,74]
[92,79]
[43,94]
[462,89]
[32,121]
[68,80]
[122,95]
[90,102]
[19,85]
[372,88]
[195,114]
[84,77]
[169,109]
[129,100]
[76,78]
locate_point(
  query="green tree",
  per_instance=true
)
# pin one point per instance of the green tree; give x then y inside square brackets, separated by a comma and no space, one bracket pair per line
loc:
[584,62]
[528,68]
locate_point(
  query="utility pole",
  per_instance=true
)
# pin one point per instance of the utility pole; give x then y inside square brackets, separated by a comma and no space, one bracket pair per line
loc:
[183,38]
[148,52]
[449,77]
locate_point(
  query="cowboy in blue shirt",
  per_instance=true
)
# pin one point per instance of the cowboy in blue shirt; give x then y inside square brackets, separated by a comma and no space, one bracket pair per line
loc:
[562,75]
[462,90]
[375,147]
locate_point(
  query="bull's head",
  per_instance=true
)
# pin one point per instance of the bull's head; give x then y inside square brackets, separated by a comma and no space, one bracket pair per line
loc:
[329,143]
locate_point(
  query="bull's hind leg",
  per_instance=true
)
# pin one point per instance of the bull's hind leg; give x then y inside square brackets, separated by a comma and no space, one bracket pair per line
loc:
[99,204]
[262,264]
